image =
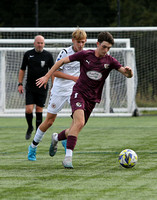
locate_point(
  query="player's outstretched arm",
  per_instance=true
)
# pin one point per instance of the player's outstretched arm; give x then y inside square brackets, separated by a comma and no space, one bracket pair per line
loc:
[126,71]
[43,80]
[60,74]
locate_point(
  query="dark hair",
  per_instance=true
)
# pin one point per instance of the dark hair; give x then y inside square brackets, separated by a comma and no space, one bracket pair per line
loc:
[105,36]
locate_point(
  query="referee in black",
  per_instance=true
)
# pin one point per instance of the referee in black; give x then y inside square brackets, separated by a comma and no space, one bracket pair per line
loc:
[38,61]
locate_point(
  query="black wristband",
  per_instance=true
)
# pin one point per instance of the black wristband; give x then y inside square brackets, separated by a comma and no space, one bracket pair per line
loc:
[20,84]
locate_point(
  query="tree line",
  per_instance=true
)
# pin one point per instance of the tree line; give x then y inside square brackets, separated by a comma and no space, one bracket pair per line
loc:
[83,13]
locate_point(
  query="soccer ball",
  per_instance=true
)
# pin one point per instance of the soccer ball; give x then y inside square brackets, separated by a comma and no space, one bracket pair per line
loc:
[128,158]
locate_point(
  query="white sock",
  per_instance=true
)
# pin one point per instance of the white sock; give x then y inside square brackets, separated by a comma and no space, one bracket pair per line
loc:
[38,136]
[56,137]
[69,152]
[33,146]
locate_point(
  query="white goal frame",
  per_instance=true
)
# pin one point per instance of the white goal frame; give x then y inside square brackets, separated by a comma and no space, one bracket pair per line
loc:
[130,60]
[143,39]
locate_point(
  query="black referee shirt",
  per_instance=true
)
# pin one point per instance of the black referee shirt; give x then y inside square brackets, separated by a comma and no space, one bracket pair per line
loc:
[38,64]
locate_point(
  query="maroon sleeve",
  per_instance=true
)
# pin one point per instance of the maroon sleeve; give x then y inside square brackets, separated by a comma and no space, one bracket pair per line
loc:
[115,64]
[76,56]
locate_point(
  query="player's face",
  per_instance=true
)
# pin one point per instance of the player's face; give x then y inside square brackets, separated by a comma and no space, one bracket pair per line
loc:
[103,48]
[78,45]
[39,44]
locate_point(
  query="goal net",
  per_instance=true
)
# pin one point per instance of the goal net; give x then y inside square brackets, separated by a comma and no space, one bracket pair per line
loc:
[142,39]
[118,97]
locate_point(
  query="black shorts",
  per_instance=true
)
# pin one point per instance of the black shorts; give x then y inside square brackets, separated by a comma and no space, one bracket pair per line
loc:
[35,98]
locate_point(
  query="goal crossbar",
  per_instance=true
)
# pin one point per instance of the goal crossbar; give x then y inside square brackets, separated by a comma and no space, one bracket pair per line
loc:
[126,41]
[70,29]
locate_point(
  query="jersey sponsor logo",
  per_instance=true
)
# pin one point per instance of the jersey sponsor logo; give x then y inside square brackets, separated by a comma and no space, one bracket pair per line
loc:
[78,104]
[106,66]
[42,63]
[71,67]
[94,75]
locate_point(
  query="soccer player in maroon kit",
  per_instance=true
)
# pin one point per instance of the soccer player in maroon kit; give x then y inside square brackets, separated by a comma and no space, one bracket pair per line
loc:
[95,66]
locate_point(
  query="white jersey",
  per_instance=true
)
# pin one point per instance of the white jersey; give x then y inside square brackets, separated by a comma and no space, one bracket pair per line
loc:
[63,87]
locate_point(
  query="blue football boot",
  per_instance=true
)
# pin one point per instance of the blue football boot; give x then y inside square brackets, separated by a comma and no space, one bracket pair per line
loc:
[64,144]
[32,153]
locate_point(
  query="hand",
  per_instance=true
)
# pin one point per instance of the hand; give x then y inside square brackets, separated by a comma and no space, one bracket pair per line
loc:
[75,78]
[128,71]
[42,81]
[20,89]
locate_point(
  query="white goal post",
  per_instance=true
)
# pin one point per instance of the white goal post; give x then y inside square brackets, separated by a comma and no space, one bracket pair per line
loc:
[118,97]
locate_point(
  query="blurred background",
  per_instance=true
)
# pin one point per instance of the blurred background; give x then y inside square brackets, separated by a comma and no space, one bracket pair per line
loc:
[83,13]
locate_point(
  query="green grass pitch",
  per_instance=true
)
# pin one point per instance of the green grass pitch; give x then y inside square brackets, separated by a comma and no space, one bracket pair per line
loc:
[97,174]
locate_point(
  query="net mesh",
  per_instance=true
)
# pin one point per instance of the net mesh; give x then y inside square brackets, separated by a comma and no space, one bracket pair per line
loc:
[142,39]
[15,101]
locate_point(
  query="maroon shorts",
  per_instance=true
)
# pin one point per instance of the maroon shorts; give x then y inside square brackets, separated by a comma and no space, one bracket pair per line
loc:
[78,101]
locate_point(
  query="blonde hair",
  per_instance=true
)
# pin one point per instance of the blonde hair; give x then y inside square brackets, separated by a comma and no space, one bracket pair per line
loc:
[79,34]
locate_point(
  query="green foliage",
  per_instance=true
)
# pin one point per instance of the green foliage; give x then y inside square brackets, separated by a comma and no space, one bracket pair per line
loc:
[138,13]
[70,13]
[96,175]
[17,13]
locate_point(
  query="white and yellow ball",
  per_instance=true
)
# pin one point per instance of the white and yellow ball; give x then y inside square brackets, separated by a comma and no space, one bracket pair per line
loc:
[128,158]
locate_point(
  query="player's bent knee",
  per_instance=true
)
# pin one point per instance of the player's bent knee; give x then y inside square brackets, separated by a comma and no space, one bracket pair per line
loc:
[50,122]
[80,125]
[29,111]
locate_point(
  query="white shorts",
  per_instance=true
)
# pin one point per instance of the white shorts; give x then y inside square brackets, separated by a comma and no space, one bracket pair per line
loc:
[56,103]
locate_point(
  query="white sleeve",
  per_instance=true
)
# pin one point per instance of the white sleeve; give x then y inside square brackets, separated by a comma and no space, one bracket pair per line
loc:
[61,55]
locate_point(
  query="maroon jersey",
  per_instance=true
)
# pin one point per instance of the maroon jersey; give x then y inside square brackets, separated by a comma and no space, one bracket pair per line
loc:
[93,73]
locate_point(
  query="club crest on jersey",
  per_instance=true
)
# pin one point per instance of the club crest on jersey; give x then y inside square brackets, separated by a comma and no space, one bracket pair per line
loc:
[106,66]
[53,105]
[42,63]
[78,104]
[94,75]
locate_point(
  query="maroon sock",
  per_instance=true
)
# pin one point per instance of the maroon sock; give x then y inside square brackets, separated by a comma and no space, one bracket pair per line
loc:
[61,136]
[71,142]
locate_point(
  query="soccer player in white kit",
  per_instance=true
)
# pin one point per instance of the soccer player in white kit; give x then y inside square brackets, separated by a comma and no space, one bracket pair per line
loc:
[65,78]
